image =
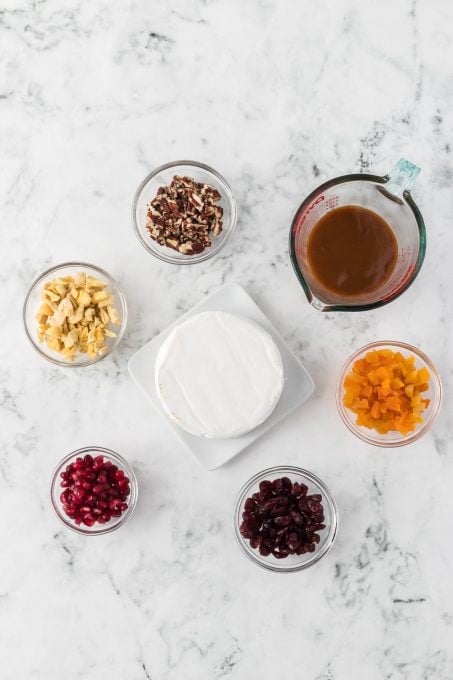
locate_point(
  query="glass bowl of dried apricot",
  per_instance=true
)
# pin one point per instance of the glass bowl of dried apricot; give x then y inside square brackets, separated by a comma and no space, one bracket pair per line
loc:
[74,314]
[389,393]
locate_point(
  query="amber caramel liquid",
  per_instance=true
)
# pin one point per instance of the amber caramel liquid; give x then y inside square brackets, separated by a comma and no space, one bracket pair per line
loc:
[351,251]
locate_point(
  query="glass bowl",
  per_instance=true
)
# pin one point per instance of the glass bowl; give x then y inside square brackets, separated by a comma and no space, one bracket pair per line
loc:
[33,301]
[56,490]
[162,176]
[292,562]
[434,394]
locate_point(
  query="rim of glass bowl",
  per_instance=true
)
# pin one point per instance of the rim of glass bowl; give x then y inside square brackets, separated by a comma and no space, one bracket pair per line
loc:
[366,435]
[56,490]
[160,251]
[77,363]
[253,555]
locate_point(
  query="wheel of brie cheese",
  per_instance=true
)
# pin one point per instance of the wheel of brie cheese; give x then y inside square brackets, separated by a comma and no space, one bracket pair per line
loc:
[219,375]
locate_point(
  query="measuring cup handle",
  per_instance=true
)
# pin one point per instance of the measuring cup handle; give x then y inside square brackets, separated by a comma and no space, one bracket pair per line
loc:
[402,177]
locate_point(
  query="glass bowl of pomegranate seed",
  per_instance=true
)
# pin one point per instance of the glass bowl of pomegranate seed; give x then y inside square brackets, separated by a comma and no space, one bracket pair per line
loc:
[93,490]
[172,229]
[285,519]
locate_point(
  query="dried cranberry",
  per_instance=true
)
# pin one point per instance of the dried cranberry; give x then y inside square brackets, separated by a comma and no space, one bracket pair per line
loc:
[277,486]
[266,506]
[314,506]
[250,505]
[265,489]
[95,490]
[292,540]
[282,500]
[287,486]
[249,529]
[297,518]
[255,542]
[280,519]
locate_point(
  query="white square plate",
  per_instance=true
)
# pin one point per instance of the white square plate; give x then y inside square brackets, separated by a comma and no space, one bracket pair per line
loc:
[212,453]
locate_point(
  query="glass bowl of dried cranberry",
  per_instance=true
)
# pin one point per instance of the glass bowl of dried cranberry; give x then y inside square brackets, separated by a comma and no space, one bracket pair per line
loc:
[93,490]
[285,519]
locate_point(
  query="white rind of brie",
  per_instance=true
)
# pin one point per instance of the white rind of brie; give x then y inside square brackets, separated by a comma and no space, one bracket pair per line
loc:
[219,375]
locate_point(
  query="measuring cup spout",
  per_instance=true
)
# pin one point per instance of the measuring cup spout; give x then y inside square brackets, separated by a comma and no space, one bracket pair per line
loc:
[401,178]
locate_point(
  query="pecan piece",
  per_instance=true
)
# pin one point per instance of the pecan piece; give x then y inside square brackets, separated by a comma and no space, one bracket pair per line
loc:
[184,215]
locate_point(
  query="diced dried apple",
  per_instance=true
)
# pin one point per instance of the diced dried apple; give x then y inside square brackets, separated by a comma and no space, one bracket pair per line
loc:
[75,314]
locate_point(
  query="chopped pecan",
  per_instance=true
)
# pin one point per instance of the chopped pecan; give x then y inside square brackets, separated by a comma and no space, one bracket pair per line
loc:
[184,215]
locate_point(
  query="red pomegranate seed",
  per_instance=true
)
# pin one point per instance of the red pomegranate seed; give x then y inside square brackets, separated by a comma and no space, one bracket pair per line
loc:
[94,490]
[78,495]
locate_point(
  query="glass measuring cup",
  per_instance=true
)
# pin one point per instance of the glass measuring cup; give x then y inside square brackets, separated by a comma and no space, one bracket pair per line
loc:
[388,196]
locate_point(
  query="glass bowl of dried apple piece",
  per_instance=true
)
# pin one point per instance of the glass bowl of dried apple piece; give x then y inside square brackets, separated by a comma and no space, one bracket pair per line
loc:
[183,212]
[74,314]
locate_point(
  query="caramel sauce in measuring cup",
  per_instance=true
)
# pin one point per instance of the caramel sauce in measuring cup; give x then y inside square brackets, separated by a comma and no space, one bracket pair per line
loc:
[352,251]
[358,241]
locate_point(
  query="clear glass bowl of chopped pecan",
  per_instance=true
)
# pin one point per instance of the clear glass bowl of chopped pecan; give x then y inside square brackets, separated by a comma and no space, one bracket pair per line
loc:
[74,314]
[183,212]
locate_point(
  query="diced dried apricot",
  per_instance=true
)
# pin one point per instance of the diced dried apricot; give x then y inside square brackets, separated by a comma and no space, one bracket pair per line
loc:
[373,378]
[376,410]
[411,377]
[409,389]
[423,375]
[385,387]
[382,372]
[367,391]
[393,403]
[383,390]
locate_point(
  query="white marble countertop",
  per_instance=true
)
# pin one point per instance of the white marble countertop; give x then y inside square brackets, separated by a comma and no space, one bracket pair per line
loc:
[278,96]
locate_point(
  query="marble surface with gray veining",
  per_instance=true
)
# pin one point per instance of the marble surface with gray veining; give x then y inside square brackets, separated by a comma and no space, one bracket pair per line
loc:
[278,96]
